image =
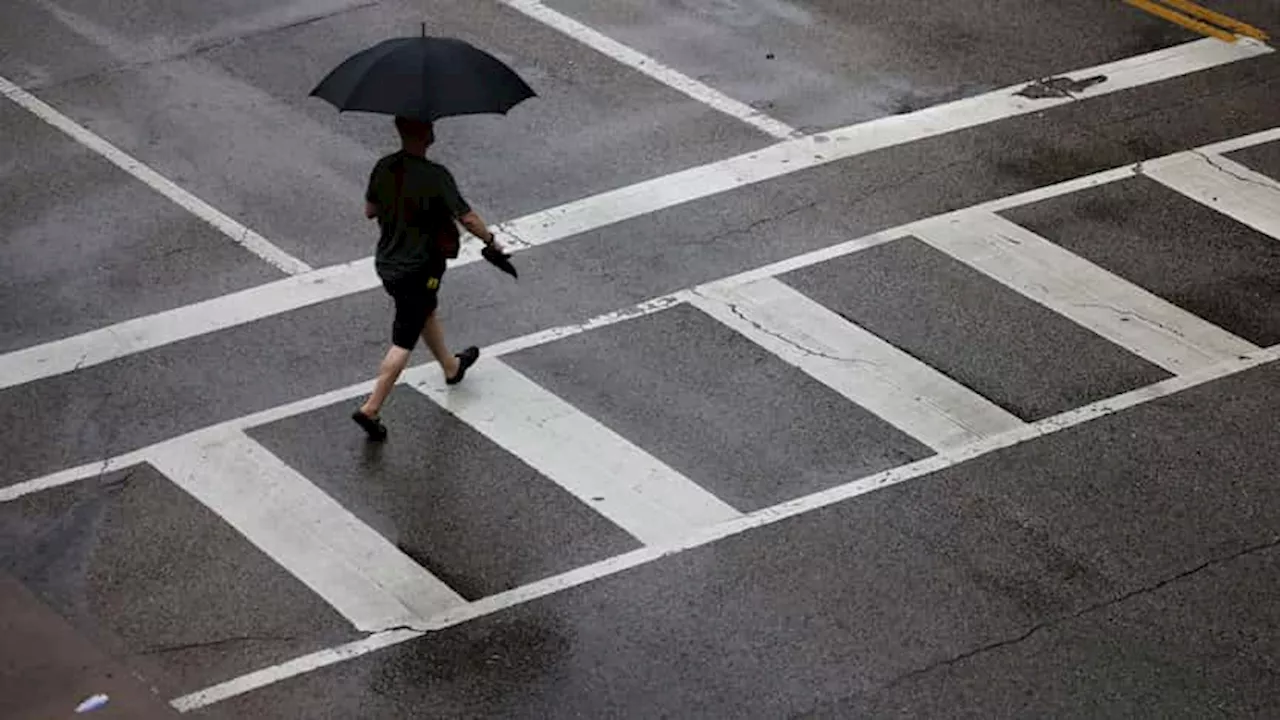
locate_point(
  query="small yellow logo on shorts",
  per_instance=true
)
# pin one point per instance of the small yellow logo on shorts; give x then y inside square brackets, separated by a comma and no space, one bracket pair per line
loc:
[433,283]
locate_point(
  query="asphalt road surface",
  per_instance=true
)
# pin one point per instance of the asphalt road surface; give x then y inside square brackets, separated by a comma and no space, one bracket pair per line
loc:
[867,359]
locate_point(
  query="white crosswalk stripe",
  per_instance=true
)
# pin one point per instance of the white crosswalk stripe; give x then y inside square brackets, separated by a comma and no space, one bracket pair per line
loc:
[1224,185]
[1112,307]
[903,391]
[602,469]
[344,561]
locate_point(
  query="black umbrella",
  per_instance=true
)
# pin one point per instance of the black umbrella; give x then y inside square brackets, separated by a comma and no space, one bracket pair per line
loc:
[500,260]
[424,78]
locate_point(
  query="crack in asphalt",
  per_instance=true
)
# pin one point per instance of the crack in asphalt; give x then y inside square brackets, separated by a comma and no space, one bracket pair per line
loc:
[737,310]
[1047,624]
[1207,157]
[162,649]
[852,202]
[754,224]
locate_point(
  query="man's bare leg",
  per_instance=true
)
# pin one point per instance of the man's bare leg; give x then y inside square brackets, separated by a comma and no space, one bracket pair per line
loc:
[453,366]
[433,335]
[388,373]
[393,364]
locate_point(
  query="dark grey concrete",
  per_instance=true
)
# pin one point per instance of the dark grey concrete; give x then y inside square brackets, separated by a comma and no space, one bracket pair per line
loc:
[1205,262]
[150,575]
[38,49]
[86,245]
[1262,158]
[1202,646]
[139,400]
[1122,568]
[234,123]
[1017,353]
[715,406]
[474,515]
[818,64]
[47,668]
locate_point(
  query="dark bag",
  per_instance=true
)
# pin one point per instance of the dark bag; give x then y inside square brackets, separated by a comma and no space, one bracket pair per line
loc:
[447,237]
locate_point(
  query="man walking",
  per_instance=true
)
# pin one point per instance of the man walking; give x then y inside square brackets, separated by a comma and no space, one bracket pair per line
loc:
[417,205]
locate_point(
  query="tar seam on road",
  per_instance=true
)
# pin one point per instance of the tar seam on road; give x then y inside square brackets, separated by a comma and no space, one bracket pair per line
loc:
[604,209]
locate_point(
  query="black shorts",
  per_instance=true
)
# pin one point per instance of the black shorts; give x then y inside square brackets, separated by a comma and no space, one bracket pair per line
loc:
[415,299]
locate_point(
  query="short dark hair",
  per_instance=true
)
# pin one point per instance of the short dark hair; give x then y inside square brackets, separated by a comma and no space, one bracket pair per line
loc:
[413,129]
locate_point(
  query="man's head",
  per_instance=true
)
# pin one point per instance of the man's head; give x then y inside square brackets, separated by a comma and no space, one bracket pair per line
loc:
[415,135]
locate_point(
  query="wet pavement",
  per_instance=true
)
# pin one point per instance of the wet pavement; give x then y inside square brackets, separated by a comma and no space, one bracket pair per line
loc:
[1112,556]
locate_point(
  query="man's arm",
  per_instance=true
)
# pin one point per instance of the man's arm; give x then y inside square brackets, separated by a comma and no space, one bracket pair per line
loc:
[463,212]
[474,225]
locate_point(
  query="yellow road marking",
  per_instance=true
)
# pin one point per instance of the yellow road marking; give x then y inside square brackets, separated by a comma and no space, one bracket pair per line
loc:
[1180,19]
[1216,18]
[1195,25]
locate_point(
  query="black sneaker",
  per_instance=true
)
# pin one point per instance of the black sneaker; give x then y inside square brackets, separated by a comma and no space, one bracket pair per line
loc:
[372,426]
[466,359]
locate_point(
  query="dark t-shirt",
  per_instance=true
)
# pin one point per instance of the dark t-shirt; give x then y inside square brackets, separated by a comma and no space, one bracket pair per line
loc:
[416,199]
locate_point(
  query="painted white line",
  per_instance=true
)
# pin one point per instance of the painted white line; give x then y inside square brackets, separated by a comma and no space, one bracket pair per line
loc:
[71,475]
[297,666]
[152,331]
[631,488]
[782,511]
[223,312]
[804,153]
[1224,185]
[1231,145]
[643,63]
[1047,192]
[1164,64]
[353,568]
[315,402]
[238,233]
[901,390]
[598,211]
[1110,306]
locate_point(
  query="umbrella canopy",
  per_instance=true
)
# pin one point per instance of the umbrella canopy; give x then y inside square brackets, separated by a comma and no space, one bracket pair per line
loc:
[500,260]
[425,78]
